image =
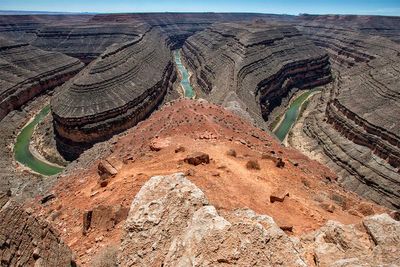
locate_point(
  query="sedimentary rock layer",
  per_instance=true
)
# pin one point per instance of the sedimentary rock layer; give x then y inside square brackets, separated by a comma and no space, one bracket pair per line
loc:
[259,63]
[361,110]
[26,71]
[385,26]
[85,41]
[171,223]
[87,36]
[113,93]
[28,241]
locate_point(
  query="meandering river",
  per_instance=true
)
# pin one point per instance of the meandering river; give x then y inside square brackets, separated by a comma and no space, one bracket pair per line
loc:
[21,148]
[185,81]
[291,115]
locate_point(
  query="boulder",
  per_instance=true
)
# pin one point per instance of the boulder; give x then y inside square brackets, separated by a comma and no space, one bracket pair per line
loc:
[374,244]
[171,223]
[197,158]
[106,170]
[278,195]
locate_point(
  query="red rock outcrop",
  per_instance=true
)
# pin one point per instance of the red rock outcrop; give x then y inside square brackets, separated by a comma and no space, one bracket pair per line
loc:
[171,223]
[225,180]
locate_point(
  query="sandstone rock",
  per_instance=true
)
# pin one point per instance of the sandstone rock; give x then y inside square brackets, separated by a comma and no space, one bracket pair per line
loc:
[180,149]
[29,241]
[103,217]
[278,195]
[231,152]
[328,207]
[172,224]
[106,170]
[197,158]
[157,144]
[336,244]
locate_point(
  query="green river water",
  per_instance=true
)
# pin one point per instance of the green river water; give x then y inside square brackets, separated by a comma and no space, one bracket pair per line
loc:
[185,82]
[21,149]
[291,115]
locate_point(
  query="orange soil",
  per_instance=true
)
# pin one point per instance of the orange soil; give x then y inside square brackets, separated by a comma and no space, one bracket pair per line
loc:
[227,183]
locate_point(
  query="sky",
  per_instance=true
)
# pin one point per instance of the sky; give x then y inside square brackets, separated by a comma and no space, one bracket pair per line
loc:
[293,7]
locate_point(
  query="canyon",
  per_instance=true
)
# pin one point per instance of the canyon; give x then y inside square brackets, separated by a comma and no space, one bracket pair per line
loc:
[149,176]
[355,125]
[254,65]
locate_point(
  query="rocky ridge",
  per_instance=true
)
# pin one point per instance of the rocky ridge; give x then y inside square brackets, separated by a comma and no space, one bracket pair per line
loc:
[171,223]
[253,64]
[28,241]
[26,72]
[115,92]
[356,123]
[196,138]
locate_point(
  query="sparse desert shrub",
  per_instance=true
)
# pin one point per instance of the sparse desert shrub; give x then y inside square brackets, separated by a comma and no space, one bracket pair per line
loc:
[253,165]
[107,257]
[231,152]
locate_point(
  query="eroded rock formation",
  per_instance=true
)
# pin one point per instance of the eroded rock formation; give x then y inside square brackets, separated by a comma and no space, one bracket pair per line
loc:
[255,64]
[171,223]
[85,41]
[26,71]
[119,89]
[356,122]
[28,241]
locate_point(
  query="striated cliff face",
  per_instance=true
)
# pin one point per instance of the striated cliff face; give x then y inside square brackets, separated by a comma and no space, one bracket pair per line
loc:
[385,26]
[26,71]
[356,124]
[116,91]
[84,41]
[257,63]
[28,241]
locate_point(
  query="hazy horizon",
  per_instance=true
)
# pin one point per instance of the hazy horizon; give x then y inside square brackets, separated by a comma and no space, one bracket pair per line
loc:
[290,7]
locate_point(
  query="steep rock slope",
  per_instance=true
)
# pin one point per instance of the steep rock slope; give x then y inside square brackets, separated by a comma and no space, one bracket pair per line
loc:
[356,122]
[115,92]
[257,63]
[28,241]
[88,36]
[106,177]
[199,235]
[26,71]
[85,41]
[385,26]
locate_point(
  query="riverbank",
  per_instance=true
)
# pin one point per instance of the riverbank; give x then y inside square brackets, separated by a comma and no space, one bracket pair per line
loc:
[22,182]
[184,75]
[291,114]
[23,154]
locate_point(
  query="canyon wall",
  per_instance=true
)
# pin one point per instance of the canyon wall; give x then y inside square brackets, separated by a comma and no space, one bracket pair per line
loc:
[26,71]
[116,91]
[356,124]
[87,36]
[255,64]
[85,41]
[28,241]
